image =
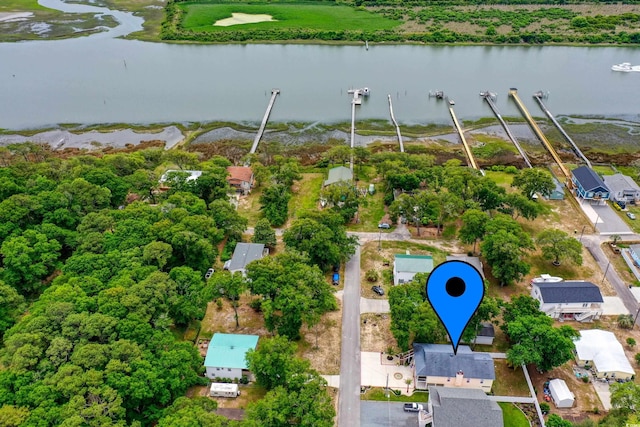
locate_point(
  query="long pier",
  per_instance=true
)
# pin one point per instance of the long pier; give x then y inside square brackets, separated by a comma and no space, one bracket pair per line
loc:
[467,149]
[538,97]
[395,123]
[513,92]
[488,96]
[254,147]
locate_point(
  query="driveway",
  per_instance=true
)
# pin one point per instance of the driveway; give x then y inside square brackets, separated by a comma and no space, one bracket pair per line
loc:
[376,374]
[602,390]
[607,220]
[613,306]
[371,305]
[386,414]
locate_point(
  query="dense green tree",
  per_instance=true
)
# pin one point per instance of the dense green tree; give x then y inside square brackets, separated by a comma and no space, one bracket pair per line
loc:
[342,198]
[157,253]
[504,253]
[107,179]
[227,219]
[144,182]
[275,204]
[11,306]
[557,245]
[12,416]
[518,205]
[533,180]
[339,154]
[181,158]
[555,420]
[473,227]
[84,197]
[263,233]
[520,306]
[286,171]
[229,286]
[193,412]
[274,363]
[212,185]
[625,397]
[190,301]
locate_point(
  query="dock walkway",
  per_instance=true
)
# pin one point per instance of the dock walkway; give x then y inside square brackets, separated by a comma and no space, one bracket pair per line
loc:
[254,147]
[395,123]
[465,145]
[488,97]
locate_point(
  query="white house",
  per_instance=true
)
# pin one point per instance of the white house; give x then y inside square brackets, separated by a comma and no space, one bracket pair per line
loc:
[226,355]
[560,393]
[407,266]
[602,351]
[581,301]
[623,189]
[172,175]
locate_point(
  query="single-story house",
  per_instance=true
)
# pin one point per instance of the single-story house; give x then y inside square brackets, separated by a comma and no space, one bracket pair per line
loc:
[558,191]
[338,174]
[634,251]
[457,407]
[589,185]
[623,189]
[241,178]
[407,266]
[436,365]
[473,260]
[226,355]
[581,301]
[560,393]
[243,254]
[171,174]
[602,351]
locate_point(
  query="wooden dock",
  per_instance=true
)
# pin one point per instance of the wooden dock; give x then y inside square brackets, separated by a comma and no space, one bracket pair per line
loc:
[488,96]
[538,97]
[467,149]
[513,92]
[265,119]
[395,123]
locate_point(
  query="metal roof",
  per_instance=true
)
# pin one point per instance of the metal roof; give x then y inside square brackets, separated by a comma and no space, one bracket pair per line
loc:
[569,292]
[604,350]
[589,179]
[413,263]
[243,254]
[337,174]
[438,360]
[228,350]
[473,260]
[460,407]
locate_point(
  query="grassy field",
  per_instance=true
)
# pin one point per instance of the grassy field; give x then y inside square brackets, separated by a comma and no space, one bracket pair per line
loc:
[202,16]
[20,5]
[378,394]
[513,417]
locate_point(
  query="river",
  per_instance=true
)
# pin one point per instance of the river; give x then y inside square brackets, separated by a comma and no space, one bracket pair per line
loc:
[105,79]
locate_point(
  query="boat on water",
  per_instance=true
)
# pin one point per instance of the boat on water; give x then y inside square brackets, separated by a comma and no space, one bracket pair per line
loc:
[626,67]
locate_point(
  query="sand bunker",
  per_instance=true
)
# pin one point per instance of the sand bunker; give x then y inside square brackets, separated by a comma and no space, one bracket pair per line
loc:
[243,18]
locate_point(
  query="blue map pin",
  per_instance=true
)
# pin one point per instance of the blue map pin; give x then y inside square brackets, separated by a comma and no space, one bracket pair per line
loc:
[455,290]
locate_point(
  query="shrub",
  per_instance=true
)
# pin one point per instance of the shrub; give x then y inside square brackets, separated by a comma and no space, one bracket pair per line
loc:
[372,276]
[585,379]
[544,407]
[511,170]
[631,342]
[637,357]
[219,303]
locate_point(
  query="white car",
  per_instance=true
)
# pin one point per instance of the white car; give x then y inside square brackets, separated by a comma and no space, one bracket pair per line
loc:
[209,273]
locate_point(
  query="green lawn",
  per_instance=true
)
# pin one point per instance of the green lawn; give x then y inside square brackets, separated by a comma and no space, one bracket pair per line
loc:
[307,195]
[509,381]
[20,5]
[378,394]
[202,16]
[513,417]
[370,212]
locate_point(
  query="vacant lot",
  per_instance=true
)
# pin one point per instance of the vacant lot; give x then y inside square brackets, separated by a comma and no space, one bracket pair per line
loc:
[201,17]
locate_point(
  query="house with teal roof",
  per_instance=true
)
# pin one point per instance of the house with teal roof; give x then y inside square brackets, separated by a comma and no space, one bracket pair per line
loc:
[226,355]
[407,266]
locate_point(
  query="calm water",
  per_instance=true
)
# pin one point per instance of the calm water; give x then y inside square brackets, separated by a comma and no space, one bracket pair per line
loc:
[101,79]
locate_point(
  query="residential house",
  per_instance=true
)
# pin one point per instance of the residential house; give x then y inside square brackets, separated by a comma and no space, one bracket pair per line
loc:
[338,174]
[623,189]
[473,260]
[457,407]
[602,351]
[634,251]
[241,179]
[172,174]
[436,365]
[558,191]
[588,184]
[407,266]
[226,355]
[581,301]
[243,254]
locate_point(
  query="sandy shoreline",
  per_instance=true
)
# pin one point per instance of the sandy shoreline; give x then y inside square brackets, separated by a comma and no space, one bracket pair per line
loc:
[15,16]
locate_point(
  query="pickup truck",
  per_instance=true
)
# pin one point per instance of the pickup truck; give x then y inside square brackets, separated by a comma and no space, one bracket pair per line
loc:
[413,407]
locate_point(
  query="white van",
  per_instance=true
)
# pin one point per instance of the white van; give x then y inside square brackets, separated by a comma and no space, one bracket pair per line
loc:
[224,390]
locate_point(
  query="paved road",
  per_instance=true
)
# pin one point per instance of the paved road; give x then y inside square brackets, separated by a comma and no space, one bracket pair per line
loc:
[349,392]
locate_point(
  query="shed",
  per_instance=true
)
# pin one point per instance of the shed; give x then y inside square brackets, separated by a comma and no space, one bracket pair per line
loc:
[558,191]
[562,396]
[338,174]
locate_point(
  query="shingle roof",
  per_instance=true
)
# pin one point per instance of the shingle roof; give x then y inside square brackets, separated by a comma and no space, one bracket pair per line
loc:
[337,174]
[619,183]
[473,260]
[228,350]
[243,254]
[239,173]
[487,330]
[462,407]
[569,292]
[438,360]
[413,263]
[589,179]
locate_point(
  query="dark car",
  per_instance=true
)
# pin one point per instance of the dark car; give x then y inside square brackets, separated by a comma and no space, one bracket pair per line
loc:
[378,290]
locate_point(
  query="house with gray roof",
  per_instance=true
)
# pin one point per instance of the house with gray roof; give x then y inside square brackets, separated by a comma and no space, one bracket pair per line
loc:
[436,365]
[581,301]
[473,260]
[623,189]
[407,266]
[226,355]
[243,254]
[338,174]
[588,184]
[462,407]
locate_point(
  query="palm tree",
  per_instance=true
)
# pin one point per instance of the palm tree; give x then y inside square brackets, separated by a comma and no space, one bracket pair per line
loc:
[408,382]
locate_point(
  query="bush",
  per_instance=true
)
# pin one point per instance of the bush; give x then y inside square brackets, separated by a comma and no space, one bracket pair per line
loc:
[631,342]
[219,303]
[511,170]
[585,379]
[372,276]
[244,380]
[544,407]
[637,357]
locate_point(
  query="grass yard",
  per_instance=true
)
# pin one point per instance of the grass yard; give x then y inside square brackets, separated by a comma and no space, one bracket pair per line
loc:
[377,393]
[249,207]
[513,417]
[370,212]
[306,194]
[509,382]
[201,17]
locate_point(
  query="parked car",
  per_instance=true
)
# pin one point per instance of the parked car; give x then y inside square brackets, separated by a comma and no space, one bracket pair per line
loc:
[631,215]
[413,407]
[384,225]
[378,290]
[336,279]
[209,273]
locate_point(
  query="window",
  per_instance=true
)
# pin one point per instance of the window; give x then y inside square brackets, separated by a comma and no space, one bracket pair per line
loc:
[585,305]
[229,369]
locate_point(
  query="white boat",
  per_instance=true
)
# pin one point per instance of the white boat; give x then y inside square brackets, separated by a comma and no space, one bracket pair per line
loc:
[546,278]
[626,67]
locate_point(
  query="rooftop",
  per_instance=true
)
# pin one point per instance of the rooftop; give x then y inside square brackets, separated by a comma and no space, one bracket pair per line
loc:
[589,179]
[239,173]
[473,260]
[619,182]
[569,292]
[460,407]
[438,360]
[191,174]
[413,263]
[604,350]
[243,254]
[337,174]
[228,350]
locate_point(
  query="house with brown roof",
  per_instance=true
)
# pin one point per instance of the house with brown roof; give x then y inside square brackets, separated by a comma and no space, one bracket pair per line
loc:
[241,178]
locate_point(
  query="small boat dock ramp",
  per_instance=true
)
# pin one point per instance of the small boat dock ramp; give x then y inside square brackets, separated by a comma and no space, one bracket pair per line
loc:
[490,97]
[265,119]
[395,123]
[356,100]
[467,149]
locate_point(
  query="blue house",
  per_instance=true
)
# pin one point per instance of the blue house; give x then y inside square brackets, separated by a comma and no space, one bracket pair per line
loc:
[588,184]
